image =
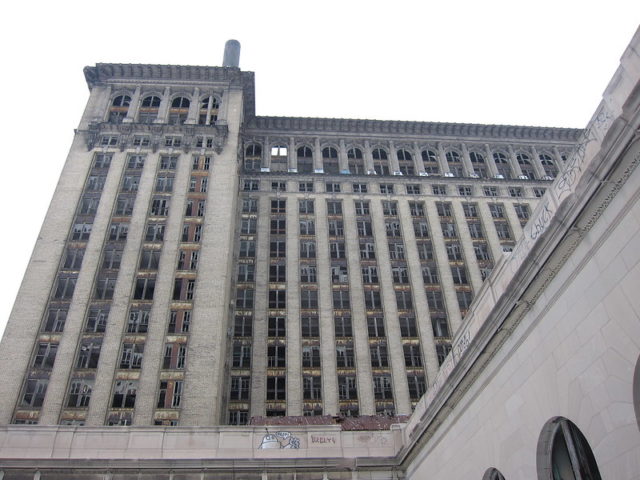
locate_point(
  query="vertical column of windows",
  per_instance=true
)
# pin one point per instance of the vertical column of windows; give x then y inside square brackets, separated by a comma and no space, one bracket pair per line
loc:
[503,229]
[309,320]
[480,244]
[53,322]
[133,339]
[241,347]
[276,394]
[416,379]
[341,303]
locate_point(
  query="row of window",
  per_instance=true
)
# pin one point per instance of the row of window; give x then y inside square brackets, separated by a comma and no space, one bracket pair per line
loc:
[427,162]
[179,108]
[253,185]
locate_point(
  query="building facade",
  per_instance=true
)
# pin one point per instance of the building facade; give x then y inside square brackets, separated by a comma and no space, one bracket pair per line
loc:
[201,266]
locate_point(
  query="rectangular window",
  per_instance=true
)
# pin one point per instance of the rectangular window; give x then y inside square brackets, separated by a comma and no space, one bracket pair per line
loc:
[307,273]
[439,189]
[251,186]
[89,353]
[81,231]
[332,187]
[45,355]
[276,388]
[305,186]
[278,248]
[34,392]
[240,391]
[307,249]
[124,394]
[311,388]
[164,183]
[73,258]
[168,162]
[56,318]
[249,205]
[362,207]
[244,297]
[278,186]
[135,162]
[278,206]
[416,209]
[389,208]
[311,356]
[131,357]
[334,207]
[337,250]
[104,288]
[359,188]
[310,327]
[242,326]
[347,388]
[277,299]
[144,289]
[364,228]
[246,273]
[65,287]
[465,190]
[277,356]
[80,393]
[413,189]
[412,355]
[375,327]
[490,191]
[309,299]
[382,389]
[160,207]
[149,259]
[276,327]
[97,319]
[386,188]
[138,320]
[470,210]
[408,328]
[155,232]
[305,206]
[179,321]
[342,327]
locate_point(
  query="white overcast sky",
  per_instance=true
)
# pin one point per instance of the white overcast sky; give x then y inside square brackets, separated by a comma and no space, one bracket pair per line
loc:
[525,63]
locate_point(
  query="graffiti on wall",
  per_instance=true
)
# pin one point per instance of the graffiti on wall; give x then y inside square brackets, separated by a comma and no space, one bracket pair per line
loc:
[279,440]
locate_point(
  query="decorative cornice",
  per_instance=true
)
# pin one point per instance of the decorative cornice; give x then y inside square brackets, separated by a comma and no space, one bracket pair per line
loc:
[392,127]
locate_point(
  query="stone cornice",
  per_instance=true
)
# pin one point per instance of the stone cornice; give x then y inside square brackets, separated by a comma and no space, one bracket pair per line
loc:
[104,73]
[347,126]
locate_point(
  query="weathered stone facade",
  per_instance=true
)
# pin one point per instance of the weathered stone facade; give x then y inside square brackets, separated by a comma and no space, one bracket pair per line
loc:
[212,266]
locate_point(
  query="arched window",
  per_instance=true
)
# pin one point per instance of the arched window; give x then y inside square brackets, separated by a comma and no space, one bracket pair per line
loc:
[550,169]
[380,161]
[454,162]
[179,110]
[477,161]
[564,453]
[525,165]
[430,162]
[305,159]
[502,164]
[356,162]
[253,157]
[493,474]
[330,160]
[405,162]
[149,109]
[208,114]
[119,108]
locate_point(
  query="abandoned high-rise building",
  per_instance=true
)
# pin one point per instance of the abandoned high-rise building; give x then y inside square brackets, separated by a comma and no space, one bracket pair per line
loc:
[201,266]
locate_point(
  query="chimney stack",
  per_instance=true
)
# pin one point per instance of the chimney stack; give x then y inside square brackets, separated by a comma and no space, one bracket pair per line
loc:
[231,54]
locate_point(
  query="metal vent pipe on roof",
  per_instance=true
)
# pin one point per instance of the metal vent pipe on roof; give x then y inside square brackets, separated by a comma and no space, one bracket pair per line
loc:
[231,54]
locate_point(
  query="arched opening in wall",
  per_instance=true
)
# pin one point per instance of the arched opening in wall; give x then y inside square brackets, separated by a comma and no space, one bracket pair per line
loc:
[253,158]
[564,453]
[493,474]
[304,159]
[636,392]
[330,160]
